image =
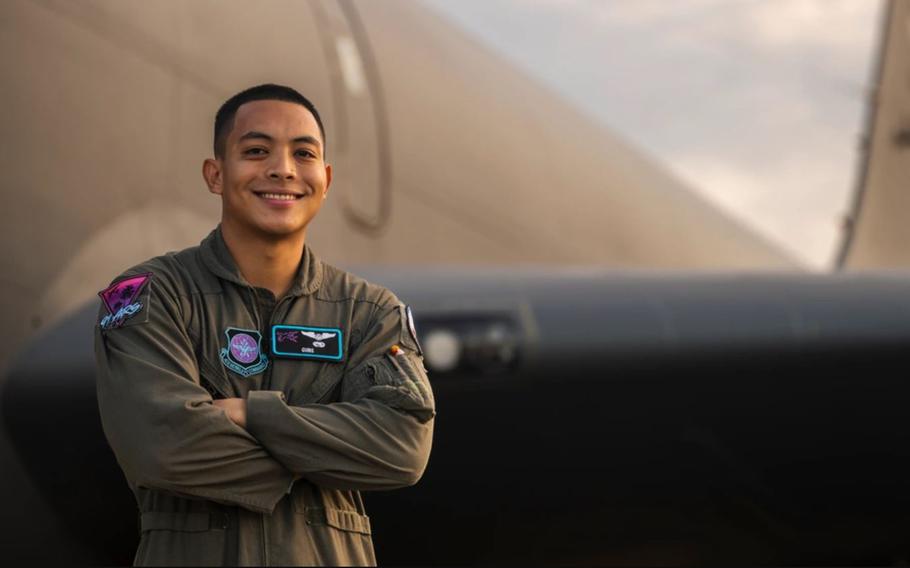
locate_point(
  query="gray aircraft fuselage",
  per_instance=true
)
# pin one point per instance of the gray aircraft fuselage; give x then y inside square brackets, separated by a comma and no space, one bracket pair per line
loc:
[592,414]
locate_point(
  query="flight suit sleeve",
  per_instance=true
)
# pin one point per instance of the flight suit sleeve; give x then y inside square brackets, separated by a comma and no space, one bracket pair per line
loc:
[161,423]
[378,436]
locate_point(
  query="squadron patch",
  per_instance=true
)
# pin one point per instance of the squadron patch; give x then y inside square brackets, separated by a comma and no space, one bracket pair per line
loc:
[323,343]
[412,329]
[243,353]
[122,300]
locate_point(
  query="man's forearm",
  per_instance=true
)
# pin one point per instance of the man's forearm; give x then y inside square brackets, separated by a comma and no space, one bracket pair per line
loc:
[359,445]
[167,434]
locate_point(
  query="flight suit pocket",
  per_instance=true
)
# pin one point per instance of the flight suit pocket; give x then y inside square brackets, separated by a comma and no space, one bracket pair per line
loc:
[347,521]
[185,522]
[182,538]
[341,510]
[398,381]
[336,526]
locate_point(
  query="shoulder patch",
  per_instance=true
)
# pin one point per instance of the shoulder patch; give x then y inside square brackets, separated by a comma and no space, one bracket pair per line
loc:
[408,318]
[124,299]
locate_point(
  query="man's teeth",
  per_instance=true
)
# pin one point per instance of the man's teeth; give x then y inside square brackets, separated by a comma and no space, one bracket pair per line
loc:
[281,196]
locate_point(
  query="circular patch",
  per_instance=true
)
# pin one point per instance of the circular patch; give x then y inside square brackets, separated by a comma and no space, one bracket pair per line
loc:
[244,348]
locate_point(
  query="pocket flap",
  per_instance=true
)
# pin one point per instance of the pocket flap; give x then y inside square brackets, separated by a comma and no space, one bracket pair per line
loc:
[349,521]
[185,522]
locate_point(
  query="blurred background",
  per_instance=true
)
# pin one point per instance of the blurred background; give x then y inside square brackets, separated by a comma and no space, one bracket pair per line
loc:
[656,251]
[757,105]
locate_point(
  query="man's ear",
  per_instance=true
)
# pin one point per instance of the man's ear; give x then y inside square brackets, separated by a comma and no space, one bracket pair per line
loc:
[328,180]
[211,172]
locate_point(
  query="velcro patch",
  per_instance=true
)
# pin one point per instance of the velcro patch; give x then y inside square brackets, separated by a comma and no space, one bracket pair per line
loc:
[305,342]
[412,329]
[243,353]
[122,299]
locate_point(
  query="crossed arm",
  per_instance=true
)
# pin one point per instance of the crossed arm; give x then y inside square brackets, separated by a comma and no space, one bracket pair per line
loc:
[168,433]
[234,408]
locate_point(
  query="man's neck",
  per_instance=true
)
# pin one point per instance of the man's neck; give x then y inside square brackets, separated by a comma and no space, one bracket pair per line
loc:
[265,261]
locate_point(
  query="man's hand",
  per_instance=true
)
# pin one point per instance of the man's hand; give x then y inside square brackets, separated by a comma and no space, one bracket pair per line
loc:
[235,408]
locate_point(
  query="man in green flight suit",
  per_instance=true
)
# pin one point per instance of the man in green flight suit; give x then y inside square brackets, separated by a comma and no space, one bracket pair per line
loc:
[249,390]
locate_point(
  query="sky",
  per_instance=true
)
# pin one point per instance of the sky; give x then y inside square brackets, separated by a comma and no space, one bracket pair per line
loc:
[759,105]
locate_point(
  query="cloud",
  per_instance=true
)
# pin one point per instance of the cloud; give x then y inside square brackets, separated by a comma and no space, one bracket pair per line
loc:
[798,202]
[841,26]
[756,103]
[774,24]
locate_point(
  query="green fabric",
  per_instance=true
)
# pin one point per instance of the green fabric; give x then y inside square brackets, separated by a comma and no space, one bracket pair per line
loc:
[285,489]
[189,522]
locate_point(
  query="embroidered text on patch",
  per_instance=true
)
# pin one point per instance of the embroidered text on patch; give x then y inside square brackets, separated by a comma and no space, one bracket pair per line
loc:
[244,355]
[307,342]
[121,299]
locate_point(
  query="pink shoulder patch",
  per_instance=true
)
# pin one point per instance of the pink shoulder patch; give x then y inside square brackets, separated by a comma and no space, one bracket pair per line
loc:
[121,299]
[123,292]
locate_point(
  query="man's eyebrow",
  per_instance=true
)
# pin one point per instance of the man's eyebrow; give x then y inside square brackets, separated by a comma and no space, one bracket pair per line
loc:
[308,140]
[256,135]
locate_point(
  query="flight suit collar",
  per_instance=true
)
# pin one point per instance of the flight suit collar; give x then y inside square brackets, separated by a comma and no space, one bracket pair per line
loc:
[218,259]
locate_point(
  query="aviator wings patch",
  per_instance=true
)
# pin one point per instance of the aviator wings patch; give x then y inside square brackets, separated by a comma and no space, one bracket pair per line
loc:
[304,342]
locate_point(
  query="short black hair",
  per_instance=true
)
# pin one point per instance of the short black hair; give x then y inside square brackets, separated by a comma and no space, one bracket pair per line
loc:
[224,118]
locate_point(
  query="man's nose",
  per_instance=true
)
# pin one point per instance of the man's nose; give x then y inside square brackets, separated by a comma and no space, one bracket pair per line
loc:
[282,167]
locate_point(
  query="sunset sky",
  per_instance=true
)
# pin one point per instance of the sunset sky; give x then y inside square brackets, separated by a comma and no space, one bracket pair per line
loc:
[757,104]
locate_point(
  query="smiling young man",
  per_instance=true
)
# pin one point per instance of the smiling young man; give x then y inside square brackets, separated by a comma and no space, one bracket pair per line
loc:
[248,389]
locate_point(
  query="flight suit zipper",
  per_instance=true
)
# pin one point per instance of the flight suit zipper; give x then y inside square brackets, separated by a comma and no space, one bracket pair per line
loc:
[263,308]
[256,306]
[265,313]
[267,309]
[265,541]
[267,335]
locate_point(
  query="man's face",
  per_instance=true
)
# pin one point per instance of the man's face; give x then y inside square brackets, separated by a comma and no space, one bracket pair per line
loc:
[273,177]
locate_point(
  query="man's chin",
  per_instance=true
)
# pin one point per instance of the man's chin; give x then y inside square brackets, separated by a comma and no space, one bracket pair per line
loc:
[282,232]
[272,231]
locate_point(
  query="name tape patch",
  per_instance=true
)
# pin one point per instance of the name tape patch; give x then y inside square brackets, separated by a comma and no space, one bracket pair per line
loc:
[305,342]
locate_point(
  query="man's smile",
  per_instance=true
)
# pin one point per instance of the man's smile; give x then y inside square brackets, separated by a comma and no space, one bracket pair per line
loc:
[279,195]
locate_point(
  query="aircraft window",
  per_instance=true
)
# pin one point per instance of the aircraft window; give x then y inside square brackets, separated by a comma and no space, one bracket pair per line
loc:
[359,125]
[351,66]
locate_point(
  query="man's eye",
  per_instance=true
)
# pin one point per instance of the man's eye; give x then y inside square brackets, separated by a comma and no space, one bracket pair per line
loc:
[306,154]
[254,152]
